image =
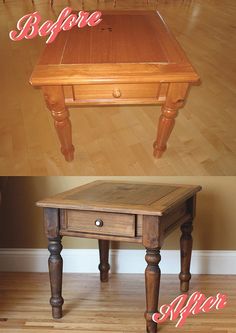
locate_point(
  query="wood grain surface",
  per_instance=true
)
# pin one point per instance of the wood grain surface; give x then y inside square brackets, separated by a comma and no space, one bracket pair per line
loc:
[116,306]
[103,43]
[125,46]
[125,197]
[132,29]
[112,224]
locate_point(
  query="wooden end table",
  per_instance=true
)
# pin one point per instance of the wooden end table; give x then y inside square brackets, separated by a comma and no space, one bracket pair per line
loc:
[131,57]
[121,211]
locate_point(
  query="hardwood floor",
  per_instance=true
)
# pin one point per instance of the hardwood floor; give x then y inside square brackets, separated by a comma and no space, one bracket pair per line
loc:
[116,306]
[118,140]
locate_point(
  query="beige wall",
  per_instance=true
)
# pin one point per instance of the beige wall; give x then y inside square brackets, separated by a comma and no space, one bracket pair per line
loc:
[22,222]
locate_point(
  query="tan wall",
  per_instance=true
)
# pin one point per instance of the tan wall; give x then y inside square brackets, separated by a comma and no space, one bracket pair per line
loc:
[22,222]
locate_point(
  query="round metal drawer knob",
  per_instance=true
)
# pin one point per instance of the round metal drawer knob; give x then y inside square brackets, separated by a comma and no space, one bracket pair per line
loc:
[116,93]
[98,223]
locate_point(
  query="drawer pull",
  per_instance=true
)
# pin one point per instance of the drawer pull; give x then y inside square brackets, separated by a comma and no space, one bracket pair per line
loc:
[116,93]
[98,223]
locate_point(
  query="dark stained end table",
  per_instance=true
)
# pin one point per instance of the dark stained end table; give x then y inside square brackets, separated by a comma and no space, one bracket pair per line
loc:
[121,211]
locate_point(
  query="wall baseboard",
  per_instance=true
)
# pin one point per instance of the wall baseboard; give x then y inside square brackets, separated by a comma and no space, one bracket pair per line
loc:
[122,261]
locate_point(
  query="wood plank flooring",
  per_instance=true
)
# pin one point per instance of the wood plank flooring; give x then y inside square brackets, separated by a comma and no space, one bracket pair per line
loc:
[118,140]
[116,306]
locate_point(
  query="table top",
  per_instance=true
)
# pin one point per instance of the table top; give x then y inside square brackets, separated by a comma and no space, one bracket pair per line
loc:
[122,197]
[125,45]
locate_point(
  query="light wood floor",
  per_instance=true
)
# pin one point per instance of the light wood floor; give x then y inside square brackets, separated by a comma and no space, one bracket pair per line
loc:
[118,140]
[116,306]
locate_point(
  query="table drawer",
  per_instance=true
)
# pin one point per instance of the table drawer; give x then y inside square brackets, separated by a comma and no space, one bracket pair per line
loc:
[121,93]
[100,223]
[116,91]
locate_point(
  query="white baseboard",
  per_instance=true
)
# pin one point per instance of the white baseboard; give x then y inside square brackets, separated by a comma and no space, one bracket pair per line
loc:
[122,261]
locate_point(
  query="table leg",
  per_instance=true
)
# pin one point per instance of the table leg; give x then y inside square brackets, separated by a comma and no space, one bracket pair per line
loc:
[55,101]
[152,281]
[174,101]
[186,243]
[104,255]
[55,272]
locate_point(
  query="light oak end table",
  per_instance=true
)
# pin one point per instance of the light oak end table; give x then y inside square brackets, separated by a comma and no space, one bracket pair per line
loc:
[121,211]
[129,58]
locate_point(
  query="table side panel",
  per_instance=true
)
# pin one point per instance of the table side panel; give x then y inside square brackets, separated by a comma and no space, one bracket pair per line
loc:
[174,218]
[154,229]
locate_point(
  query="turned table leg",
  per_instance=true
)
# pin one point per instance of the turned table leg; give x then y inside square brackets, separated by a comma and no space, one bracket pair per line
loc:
[55,273]
[186,243]
[152,281]
[55,101]
[104,255]
[174,101]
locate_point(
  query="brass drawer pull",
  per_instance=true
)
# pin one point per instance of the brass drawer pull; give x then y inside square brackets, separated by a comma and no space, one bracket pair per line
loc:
[116,93]
[98,223]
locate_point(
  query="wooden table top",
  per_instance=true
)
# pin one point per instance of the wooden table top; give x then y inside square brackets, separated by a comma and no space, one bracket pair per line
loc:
[126,45]
[122,197]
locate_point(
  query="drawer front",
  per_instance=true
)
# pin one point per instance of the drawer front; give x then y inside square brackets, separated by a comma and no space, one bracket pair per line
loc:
[121,93]
[100,223]
[116,91]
